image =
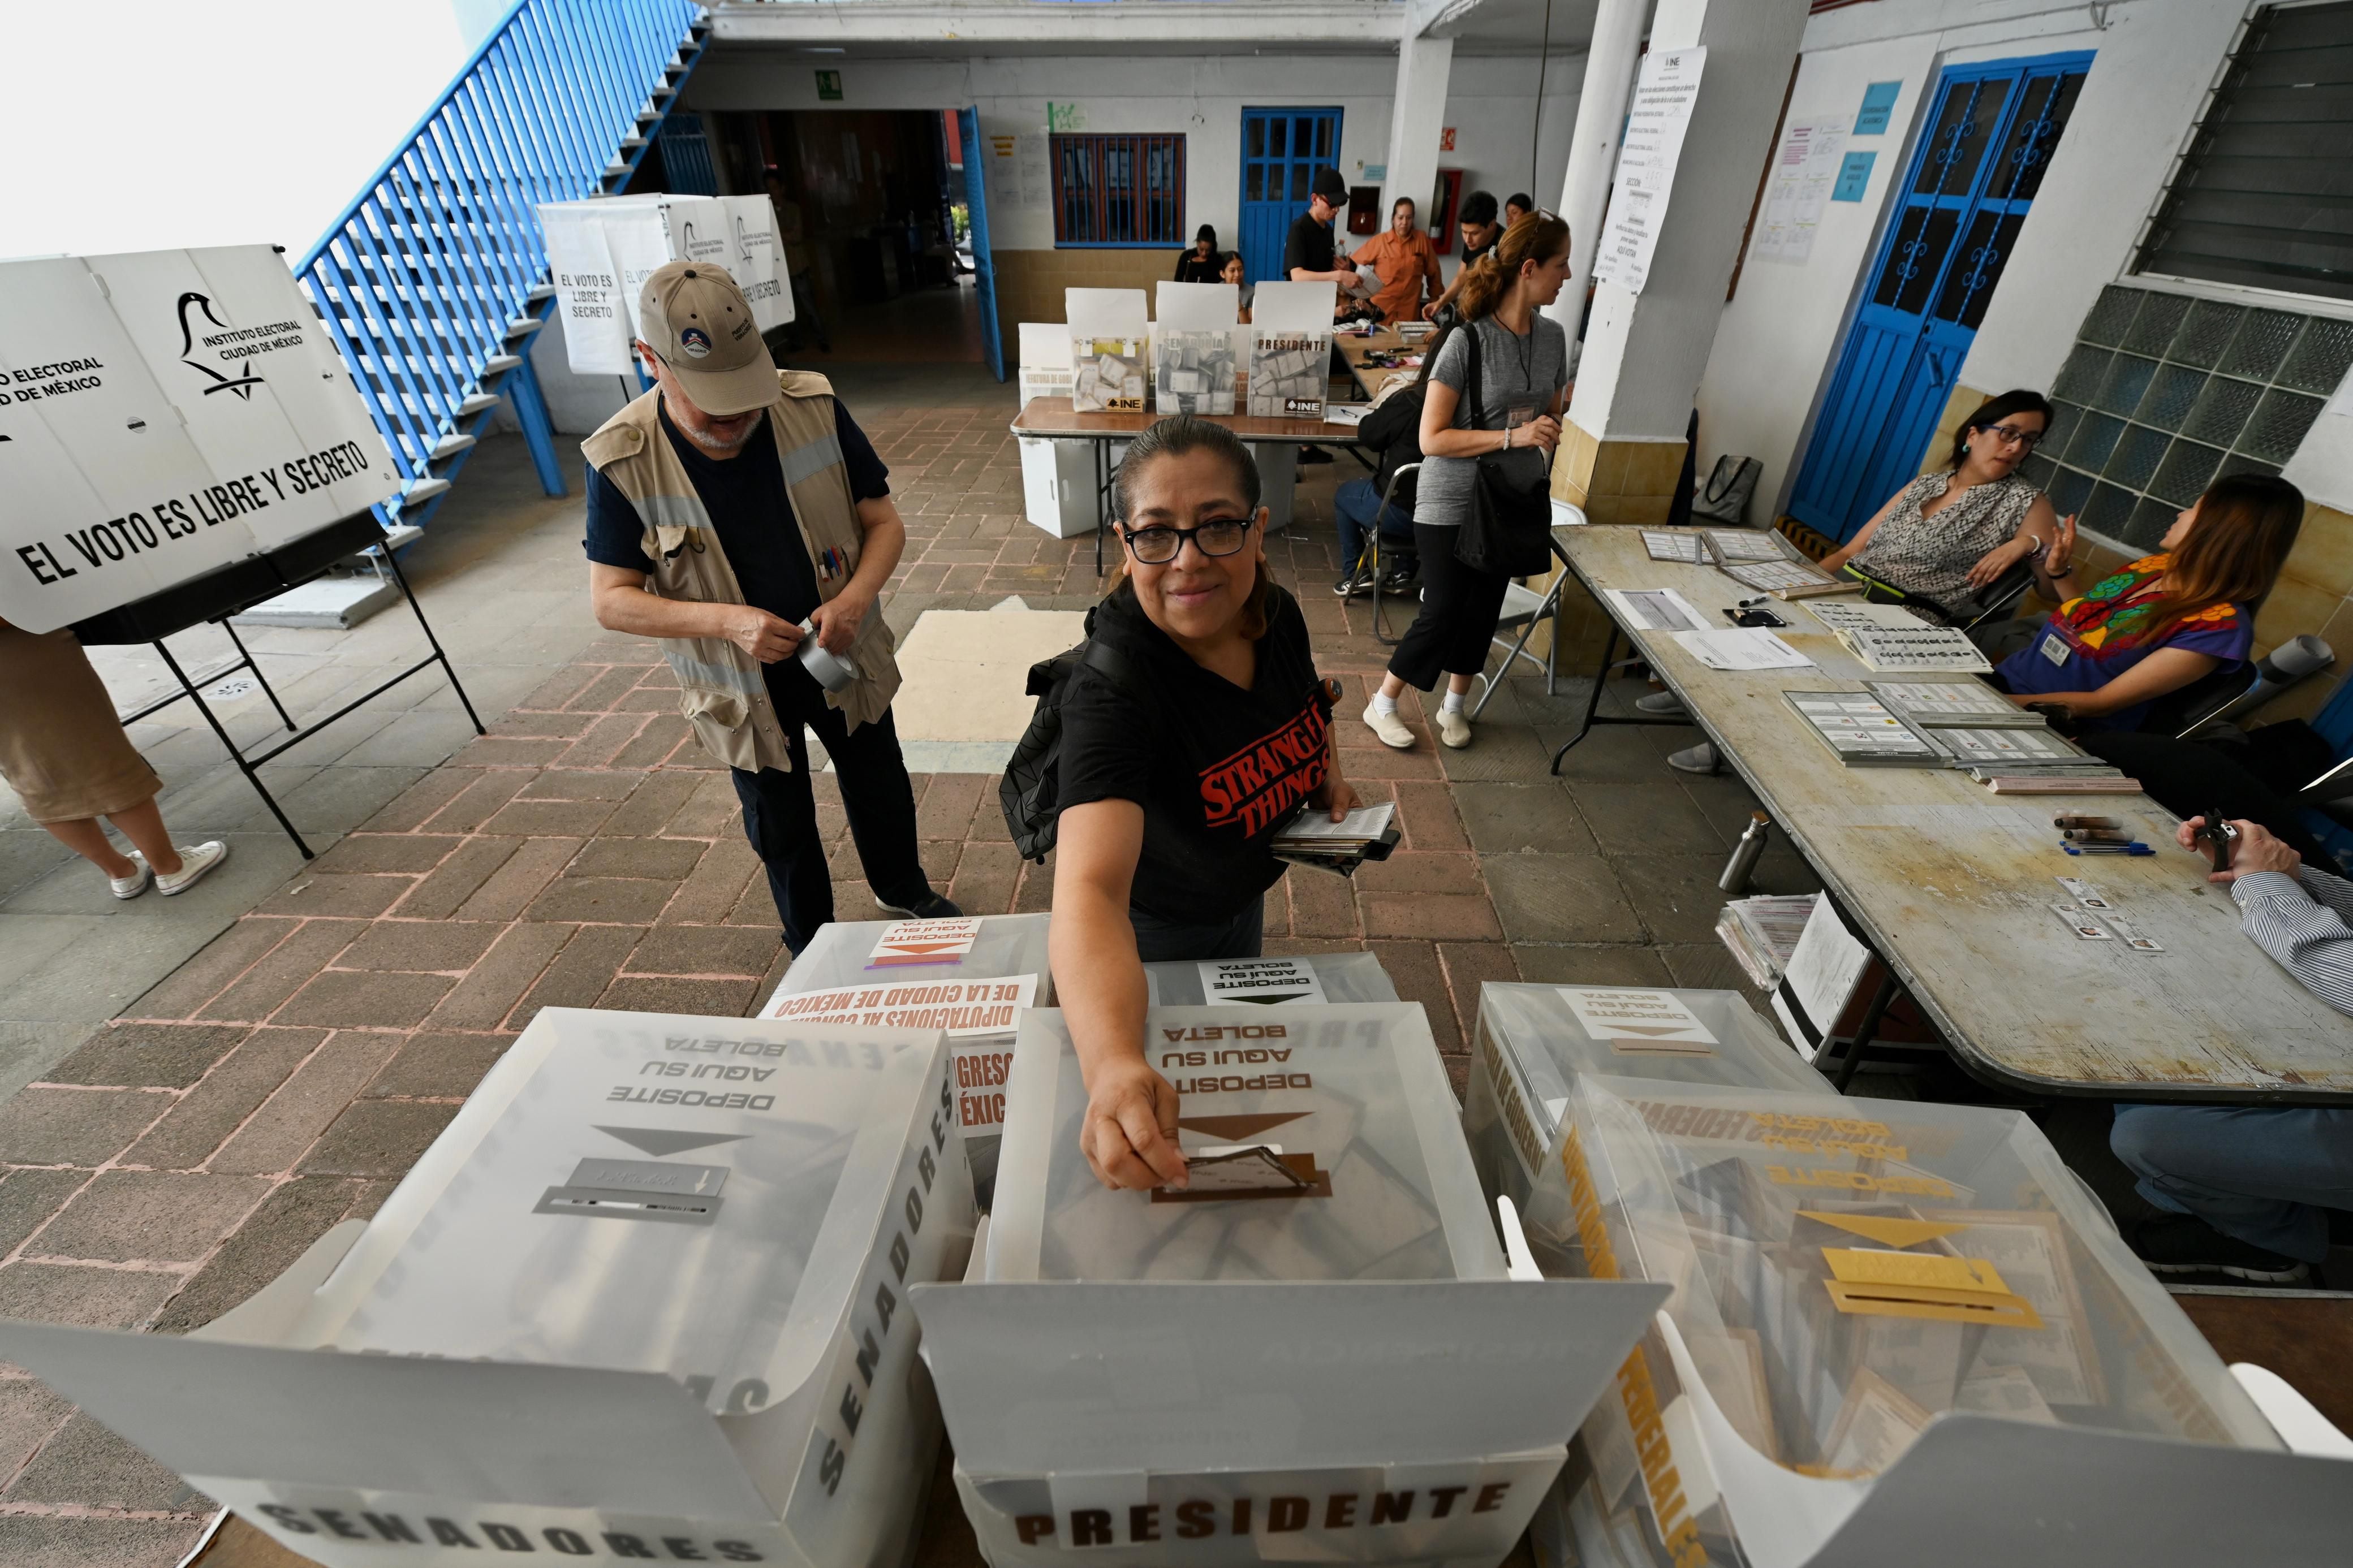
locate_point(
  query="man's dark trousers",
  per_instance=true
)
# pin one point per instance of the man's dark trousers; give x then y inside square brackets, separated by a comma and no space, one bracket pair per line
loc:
[780,814]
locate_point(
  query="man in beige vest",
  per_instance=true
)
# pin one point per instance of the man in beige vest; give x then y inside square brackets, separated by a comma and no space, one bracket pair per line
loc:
[738,513]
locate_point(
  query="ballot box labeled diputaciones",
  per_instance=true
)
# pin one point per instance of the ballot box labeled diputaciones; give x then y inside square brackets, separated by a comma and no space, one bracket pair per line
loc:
[1311,1353]
[1848,1276]
[1533,1044]
[646,1297]
[973,976]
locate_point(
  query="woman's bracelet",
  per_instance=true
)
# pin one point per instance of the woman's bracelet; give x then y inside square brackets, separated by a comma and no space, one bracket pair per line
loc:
[1507,437]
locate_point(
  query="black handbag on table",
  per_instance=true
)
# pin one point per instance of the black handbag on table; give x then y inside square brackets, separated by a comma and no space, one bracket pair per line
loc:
[1508,529]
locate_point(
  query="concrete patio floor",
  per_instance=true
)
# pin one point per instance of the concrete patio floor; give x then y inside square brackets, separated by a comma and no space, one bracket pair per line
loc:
[227,1081]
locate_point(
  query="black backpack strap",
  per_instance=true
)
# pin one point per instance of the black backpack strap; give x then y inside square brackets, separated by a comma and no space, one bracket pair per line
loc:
[1114,667]
[1475,390]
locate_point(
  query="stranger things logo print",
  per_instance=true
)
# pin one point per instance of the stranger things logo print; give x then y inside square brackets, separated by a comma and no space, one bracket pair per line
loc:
[1260,784]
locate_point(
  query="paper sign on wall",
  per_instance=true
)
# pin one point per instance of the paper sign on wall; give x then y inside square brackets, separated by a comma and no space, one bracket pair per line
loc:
[1655,125]
[965,1008]
[1266,982]
[1853,177]
[1656,1020]
[162,414]
[1805,169]
[1878,107]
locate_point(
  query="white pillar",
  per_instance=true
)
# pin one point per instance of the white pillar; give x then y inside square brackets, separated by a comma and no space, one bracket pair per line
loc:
[1610,63]
[1415,120]
[1645,354]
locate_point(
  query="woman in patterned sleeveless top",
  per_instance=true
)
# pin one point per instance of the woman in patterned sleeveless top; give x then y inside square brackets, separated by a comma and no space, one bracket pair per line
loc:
[1945,536]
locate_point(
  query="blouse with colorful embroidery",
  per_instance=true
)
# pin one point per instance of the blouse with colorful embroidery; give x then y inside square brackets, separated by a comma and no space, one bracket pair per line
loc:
[2091,640]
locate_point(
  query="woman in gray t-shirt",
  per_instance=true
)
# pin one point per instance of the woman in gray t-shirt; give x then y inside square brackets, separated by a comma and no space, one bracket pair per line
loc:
[1523,376]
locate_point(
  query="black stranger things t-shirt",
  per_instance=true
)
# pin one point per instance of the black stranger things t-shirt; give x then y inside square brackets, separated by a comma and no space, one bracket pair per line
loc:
[1216,768]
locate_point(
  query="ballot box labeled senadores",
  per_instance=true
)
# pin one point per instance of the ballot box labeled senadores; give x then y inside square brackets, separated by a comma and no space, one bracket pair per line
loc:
[646,1297]
[974,976]
[1534,1042]
[1311,1353]
[1849,1276]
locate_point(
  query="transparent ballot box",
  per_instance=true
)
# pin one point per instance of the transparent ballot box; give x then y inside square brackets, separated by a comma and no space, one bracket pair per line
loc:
[648,1286]
[973,976]
[1845,1273]
[1296,980]
[1534,1042]
[1327,1365]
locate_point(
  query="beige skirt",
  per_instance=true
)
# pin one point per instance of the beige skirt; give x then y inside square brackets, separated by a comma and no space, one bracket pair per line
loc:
[61,749]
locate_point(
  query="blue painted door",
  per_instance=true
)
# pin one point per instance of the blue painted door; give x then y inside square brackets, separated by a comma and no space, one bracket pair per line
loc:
[992,336]
[1281,150]
[1989,138]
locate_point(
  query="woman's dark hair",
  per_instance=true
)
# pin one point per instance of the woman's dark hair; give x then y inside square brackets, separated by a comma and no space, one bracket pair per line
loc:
[1479,207]
[1993,410]
[1522,200]
[1209,232]
[1538,236]
[2246,525]
[1173,437]
[1404,201]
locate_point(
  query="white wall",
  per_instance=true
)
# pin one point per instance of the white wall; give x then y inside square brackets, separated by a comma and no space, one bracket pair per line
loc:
[1491,102]
[2154,61]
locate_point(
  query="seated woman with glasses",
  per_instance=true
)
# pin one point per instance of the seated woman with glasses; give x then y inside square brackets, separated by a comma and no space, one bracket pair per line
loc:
[2166,620]
[1944,536]
[1205,732]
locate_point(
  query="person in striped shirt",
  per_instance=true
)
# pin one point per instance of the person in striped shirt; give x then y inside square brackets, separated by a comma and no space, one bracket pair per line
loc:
[2245,1191]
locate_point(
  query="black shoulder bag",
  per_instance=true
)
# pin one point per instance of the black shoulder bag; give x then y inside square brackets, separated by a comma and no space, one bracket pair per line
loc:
[1033,773]
[1508,529]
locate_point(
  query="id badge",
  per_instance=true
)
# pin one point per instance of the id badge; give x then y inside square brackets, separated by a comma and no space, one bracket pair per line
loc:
[2055,649]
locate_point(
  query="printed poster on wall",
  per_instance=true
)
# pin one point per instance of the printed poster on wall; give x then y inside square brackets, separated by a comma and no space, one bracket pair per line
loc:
[1805,169]
[163,413]
[1655,124]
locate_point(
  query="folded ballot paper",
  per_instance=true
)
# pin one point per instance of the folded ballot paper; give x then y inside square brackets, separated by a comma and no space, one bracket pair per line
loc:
[1313,838]
[645,1298]
[973,976]
[1846,1273]
[1311,1355]
[1301,979]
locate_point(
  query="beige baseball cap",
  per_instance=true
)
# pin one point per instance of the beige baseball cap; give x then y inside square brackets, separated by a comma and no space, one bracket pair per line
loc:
[697,320]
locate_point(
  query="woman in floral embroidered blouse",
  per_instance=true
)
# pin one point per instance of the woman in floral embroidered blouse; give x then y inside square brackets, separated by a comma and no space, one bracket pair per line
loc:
[2166,620]
[1944,536]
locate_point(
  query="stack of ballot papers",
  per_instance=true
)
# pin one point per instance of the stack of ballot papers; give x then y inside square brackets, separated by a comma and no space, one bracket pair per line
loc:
[1915,648]
[1313,838]
[1740,647]
[1654,610]
[1762,933]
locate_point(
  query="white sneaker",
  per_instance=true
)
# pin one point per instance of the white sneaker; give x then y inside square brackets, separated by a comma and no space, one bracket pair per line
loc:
[1454,727]
[1699,759]
[133,885]
[1389,729]
[194,863]
[1661,702]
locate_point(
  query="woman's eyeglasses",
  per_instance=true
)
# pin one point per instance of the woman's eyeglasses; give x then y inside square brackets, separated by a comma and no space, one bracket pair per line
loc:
[2012,434]
[1158,545]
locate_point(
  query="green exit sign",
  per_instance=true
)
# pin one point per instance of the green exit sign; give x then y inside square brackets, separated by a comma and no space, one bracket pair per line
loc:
[828,87]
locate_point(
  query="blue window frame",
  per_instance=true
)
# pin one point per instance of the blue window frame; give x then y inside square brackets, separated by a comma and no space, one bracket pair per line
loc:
[1115,190]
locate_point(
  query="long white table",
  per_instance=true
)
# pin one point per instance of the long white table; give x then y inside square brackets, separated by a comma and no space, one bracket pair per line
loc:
[1951,884]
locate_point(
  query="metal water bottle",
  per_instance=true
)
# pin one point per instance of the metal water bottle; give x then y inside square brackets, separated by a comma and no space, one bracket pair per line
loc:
[1745,853]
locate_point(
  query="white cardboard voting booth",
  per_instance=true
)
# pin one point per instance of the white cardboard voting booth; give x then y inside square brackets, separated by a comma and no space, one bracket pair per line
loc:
[974,976]
[1110,365]
[1198,347]
[1291,357]
[600,253]
[1057,477]
[645,1296]
[163,413]
[1216,1377]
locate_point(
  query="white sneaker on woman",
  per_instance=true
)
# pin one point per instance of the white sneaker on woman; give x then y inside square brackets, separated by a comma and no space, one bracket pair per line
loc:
[194,861]
[133,885]
[1454,727]
[1387,728]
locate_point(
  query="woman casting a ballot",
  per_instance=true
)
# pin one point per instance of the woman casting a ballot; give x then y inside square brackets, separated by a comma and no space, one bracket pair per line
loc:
[1203,732]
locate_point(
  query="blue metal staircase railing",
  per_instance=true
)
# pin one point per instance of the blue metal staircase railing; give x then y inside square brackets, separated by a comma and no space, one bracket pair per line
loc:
[434,278]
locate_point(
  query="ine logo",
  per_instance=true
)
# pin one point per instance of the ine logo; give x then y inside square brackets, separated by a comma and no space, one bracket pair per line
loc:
[243,385]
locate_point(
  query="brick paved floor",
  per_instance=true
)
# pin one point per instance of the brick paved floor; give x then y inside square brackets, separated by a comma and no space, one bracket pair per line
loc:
[586,854]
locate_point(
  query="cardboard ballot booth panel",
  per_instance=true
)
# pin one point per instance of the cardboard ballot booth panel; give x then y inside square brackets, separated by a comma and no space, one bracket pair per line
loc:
[974,976]
[1845,1272]
[645,1296]
[163,414]
[1109,337]
[1057,477]
[601,252]
[1221,1375]
[1534,1042]
[1302,981]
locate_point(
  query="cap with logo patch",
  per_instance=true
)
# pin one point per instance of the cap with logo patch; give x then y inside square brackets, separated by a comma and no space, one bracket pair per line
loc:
[697,320]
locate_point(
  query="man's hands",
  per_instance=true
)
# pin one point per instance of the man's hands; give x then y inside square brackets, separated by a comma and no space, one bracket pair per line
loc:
[2001,559]
[1334,794]
[766,638]
[2254,850]
[838,619]
[1130,1135]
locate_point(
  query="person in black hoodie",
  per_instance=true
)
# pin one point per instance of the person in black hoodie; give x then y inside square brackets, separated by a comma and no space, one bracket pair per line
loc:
[1393,429]
[1202,264]
[1211,732]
